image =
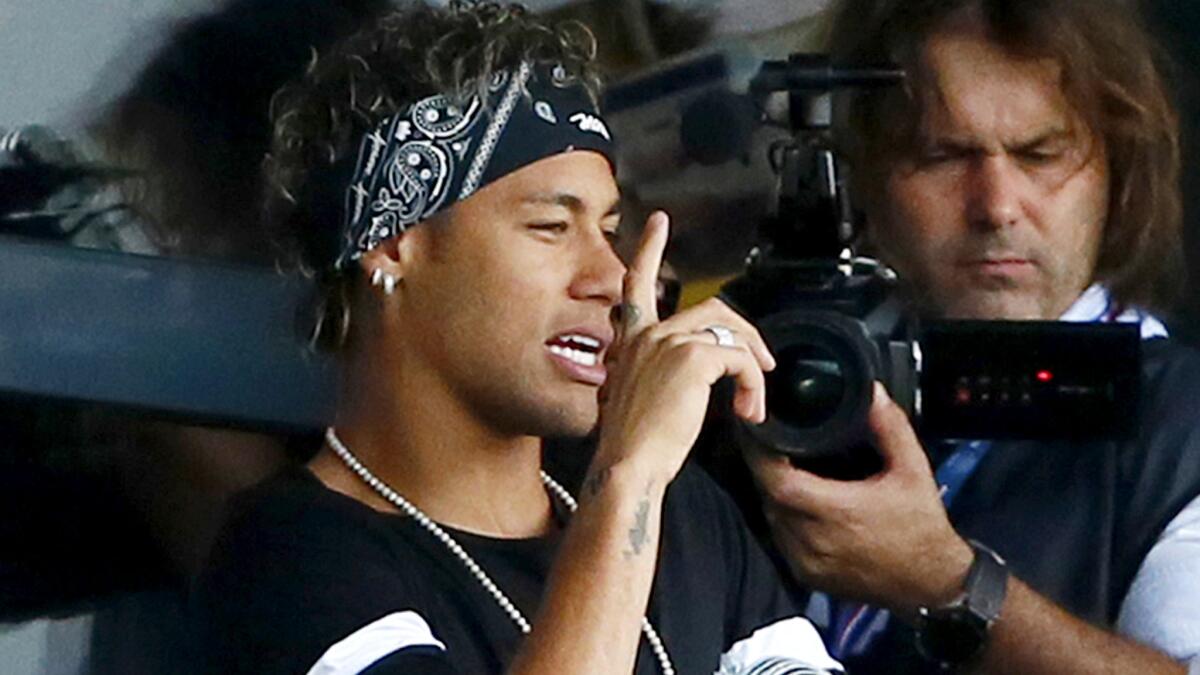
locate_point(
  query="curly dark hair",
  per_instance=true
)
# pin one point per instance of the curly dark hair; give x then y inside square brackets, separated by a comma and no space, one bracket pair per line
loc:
[1113,76]
[412,53]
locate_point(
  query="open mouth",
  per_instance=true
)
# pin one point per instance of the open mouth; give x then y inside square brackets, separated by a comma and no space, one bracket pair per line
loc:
[581,349]
[580,356]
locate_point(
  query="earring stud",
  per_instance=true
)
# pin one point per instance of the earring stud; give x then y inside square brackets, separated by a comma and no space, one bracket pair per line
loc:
[387,281]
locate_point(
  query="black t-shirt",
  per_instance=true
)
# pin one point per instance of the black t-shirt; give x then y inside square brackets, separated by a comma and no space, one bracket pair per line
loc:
[303,576]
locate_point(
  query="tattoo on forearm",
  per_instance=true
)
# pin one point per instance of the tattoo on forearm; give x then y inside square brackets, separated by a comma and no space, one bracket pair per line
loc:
[639,534]
[596,482]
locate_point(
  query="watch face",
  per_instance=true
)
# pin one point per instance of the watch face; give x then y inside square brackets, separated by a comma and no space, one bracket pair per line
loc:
[951,637]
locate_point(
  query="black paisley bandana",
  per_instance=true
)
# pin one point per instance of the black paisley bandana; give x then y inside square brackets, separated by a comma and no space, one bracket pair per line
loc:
[435,152]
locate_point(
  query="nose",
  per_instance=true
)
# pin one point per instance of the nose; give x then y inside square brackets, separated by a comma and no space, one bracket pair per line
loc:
[996,193]
[599,272]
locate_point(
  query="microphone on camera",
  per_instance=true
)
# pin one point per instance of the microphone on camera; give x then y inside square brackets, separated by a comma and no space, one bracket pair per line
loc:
[717,126]
[795,93]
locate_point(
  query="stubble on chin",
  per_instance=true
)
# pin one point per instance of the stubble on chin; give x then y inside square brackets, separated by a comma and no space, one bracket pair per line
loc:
[994,306]
[976,300]
[568,419]
[1005,302]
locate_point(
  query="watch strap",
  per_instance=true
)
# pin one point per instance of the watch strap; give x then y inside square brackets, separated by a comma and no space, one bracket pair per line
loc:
[986,584]
[955,633]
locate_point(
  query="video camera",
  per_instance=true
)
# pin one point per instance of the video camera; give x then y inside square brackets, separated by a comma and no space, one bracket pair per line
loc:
[835,322]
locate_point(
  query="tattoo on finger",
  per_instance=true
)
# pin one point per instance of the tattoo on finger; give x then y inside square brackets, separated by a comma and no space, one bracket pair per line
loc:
[630,315]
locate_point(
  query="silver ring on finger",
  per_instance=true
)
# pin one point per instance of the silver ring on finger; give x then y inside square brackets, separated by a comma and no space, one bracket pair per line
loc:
[723,335]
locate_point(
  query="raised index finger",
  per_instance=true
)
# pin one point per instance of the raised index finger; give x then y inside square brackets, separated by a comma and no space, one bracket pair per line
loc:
[640,289]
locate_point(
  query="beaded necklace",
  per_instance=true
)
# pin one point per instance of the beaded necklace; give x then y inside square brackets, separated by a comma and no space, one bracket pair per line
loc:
[427,523]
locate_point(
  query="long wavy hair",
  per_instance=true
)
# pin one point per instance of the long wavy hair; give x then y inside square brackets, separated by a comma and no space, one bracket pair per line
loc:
[417,51]
[1112,75]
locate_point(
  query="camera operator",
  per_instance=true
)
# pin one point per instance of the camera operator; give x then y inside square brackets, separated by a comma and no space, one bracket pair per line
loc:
[1028,169]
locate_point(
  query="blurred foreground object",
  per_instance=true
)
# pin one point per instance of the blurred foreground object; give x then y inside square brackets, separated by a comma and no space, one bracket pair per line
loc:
[202,342]
[49,189]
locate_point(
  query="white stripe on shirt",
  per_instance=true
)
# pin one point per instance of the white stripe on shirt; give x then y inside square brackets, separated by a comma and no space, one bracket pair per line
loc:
[357,651]
[788,647]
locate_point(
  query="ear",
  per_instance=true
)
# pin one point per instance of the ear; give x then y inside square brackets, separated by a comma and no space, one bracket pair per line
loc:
[392,258]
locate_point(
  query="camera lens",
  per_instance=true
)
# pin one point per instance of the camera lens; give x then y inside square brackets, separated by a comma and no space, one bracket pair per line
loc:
[808,387]
[820,391]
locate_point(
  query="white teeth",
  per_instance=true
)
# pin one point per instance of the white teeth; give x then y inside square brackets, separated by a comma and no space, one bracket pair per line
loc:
[575,355]
[584,340]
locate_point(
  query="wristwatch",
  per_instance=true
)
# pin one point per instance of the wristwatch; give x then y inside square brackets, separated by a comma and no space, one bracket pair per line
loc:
[955,633]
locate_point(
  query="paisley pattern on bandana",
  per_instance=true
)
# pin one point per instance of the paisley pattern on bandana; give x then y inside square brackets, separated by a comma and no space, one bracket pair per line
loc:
[405,168]
[436,151]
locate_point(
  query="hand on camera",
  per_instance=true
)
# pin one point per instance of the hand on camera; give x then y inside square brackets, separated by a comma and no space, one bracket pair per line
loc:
[885,540]
[660,373]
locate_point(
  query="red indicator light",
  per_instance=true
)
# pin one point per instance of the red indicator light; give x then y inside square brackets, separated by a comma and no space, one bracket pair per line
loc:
[1044,376]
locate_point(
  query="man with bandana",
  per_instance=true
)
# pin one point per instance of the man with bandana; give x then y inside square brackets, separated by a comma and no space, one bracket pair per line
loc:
[450,184]
[1027,169]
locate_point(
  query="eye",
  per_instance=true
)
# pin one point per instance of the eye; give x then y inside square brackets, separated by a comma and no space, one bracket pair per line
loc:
[613,236]
[939,154]
[557,227]
[1040,155]
[932,155]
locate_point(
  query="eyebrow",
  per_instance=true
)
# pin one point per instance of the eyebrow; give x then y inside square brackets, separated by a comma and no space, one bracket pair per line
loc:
[1048,135]
[569,201]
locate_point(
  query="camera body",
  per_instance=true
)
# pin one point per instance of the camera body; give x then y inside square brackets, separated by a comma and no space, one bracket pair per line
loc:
[836,321]
[834,330]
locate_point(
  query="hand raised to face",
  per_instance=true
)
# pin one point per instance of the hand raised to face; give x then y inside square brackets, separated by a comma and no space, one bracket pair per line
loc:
[661,372]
